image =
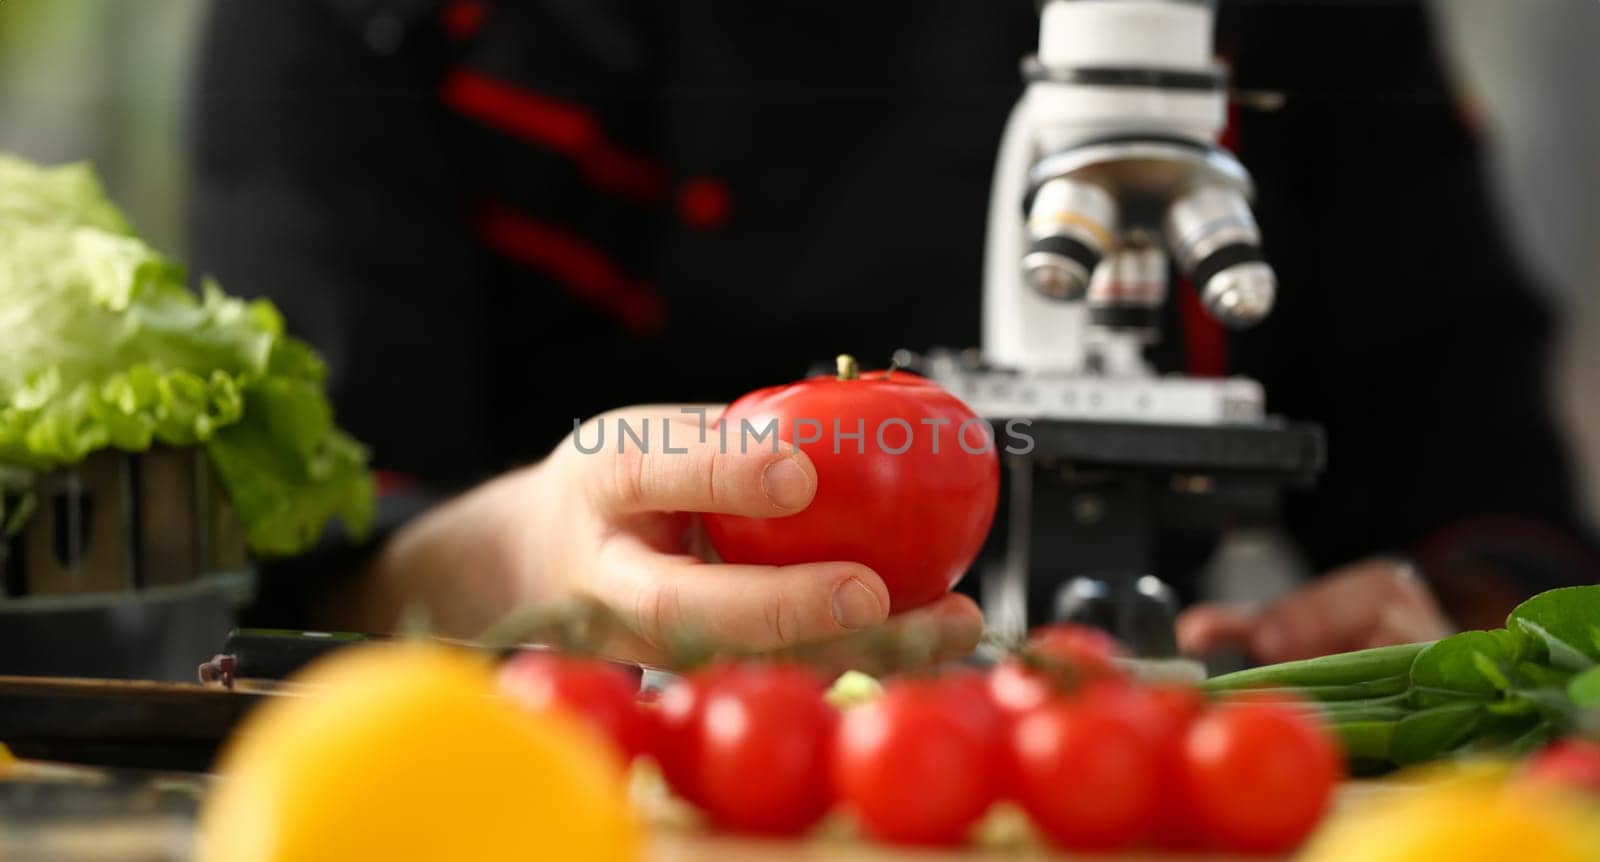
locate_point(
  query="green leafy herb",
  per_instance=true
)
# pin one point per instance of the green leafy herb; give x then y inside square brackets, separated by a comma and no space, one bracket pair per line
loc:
[1428,733]
[1509,688]
[1453,669]
[1569,615]
[1351,668]
[1584,689]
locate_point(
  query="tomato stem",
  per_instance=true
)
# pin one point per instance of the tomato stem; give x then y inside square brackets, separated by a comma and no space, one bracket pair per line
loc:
[848,370]
[894,365]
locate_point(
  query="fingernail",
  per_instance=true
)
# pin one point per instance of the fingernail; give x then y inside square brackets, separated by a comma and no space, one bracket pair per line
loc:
[786,484]
[855,606]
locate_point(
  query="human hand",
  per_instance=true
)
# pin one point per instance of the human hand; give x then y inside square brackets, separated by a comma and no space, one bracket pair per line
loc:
[623,529]
[1374,602]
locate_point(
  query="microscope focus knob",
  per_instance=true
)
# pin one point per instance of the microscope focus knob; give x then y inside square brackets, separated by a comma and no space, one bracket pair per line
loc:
[1140,611]
[1070,226]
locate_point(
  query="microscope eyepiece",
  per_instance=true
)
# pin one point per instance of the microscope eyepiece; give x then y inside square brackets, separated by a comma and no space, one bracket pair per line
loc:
[1215,240]
[1070,227]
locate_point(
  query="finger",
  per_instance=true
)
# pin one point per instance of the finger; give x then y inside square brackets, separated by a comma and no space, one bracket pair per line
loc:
[1296,627]
[947,629]
[1209,627]
[959,626]
[1340,612]
[695,475]
[1409,622]
[748,608]
[674,411]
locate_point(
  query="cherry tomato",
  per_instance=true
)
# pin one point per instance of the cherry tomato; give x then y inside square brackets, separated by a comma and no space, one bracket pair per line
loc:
[966,691]
[675,732]
[1066,656]
[972,691]
[1571,763]
[1259,775]
[1091,652]
[764,741]
[1086,773]
[1016,689]
[601,694]
[920,764]
[1164,714]
[906,499]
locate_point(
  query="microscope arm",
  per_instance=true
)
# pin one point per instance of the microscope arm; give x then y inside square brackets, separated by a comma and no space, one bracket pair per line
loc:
[1021,328]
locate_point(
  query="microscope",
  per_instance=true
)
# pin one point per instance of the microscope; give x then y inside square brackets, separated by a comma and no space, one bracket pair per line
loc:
[1109,182]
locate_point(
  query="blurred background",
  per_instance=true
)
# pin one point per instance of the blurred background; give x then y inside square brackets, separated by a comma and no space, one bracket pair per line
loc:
[104,81]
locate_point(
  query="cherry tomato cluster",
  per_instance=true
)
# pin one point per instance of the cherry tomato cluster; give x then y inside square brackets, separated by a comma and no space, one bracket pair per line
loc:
[1097,761]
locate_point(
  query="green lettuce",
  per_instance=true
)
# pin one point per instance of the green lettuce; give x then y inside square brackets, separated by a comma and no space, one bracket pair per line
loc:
[103,346]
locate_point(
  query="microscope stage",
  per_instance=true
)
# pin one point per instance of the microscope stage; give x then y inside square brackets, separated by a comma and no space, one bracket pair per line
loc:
[1170,400]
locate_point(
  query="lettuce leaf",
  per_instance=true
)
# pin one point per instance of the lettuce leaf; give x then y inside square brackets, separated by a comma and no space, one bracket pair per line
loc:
[102,345]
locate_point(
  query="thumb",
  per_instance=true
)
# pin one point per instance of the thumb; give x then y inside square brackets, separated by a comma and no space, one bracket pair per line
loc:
[684,474]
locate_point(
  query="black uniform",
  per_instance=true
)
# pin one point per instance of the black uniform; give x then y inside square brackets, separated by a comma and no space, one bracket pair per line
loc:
[494,217]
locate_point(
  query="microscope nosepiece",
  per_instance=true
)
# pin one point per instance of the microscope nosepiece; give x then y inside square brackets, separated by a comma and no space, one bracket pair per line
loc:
[1214,239]
[1069,231]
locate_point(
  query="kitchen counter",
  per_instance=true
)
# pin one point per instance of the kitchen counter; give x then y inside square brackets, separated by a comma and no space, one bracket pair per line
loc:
[52,811]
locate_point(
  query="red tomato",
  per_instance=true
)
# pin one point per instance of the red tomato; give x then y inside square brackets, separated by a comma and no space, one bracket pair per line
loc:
[970,688]
[920,764]
[1164,713]
[676,731]
[1086,773]
[1016,689]
[1571,763]
[601,694]
[1258,775]
[1070,656]
[1089,651]
[917,517]
[765,736]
